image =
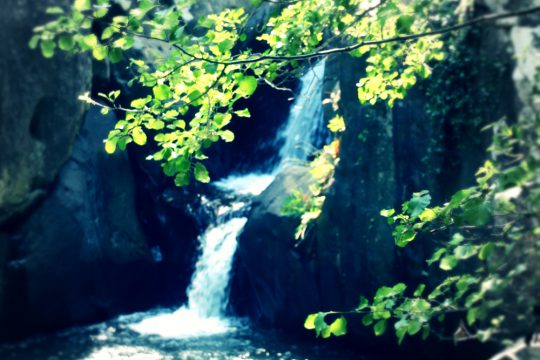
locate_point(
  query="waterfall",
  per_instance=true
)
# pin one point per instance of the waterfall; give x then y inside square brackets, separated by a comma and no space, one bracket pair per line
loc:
[206,294]
[302,134]
[204,313]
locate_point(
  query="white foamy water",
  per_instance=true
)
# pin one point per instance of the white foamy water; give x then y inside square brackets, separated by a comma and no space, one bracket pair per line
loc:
[250,184]
[302,131]
[207,293]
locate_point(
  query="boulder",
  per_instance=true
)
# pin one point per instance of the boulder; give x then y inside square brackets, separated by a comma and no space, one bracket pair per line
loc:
[80,254]
[274,280]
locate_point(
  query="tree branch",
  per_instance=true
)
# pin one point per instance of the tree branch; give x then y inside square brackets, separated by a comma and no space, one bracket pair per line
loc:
[346,49]
[337,50]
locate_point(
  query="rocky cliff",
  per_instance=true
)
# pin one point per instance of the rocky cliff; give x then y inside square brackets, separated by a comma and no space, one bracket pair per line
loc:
[72,248]
[431,140]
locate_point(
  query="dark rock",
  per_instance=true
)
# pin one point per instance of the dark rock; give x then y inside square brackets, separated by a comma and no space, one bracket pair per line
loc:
[39,111]
[80,255]
[386,155]
[274,279]
[72,247]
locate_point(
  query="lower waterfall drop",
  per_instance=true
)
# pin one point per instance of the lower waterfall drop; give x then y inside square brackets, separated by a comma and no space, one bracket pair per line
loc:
[204,314]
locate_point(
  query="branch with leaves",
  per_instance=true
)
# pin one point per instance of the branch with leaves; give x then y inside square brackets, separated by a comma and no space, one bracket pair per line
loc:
[194,85]
[488,252]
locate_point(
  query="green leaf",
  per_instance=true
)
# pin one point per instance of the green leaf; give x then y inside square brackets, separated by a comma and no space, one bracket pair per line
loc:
[115,55]
[34,40]
[140,103]
[320,325]
[383,292]
[55,10]
[448,263]
[66,42]
[225,45]
[436,256]
[419,290]
[123,141]
[155,125]
[108,33]
[456,239]
[100,52]
[227,135]
[418,203]
[380,328]
[339,326]
[367,319]
[463,252]
[222,120]
[486,250]
[82,5]
[387,213]
[47,48]
[139,137]
[428,215]
[336,124]
[364,303]
[247,86]
[472,315]
[110,145]
[101,12]
[201,173]
[243,113]
[404,237]
[181,179]
[458,197]
[195,95]
[425,332]
[401,329]
[310,322]
[90,41]
[161,92]
[414,327]
[404,24]
[398,289]
[477,212]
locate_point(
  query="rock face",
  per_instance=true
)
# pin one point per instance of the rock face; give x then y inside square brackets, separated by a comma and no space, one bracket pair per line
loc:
[72,248]
[39,111]
[431,140]
[73,256]
[269,265]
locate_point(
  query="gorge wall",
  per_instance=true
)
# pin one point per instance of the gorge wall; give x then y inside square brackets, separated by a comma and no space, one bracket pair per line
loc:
[431,140]
[74,242]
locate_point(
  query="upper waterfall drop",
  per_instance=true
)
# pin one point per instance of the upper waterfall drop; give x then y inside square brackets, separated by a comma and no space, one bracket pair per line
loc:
[304,130]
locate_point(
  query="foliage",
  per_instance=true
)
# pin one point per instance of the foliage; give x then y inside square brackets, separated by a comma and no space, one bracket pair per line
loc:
[194,84]
[308,206]
[489,260]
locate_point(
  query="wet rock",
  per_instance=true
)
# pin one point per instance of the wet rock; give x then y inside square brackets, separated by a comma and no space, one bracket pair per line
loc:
[274,280]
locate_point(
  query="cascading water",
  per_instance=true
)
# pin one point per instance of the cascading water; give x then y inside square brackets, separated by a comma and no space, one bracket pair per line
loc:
[204,313]
[302,133]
